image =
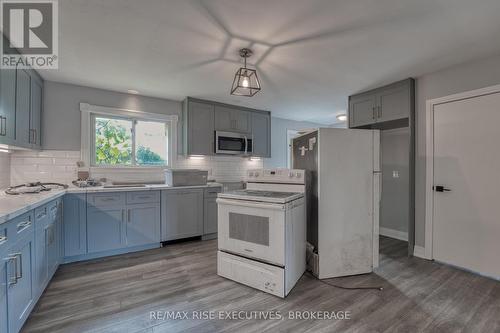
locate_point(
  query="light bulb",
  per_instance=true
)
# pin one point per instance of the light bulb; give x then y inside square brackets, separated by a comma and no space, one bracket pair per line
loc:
[245,82]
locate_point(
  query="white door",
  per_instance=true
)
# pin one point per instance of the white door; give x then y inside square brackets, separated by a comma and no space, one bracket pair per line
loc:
[466,219]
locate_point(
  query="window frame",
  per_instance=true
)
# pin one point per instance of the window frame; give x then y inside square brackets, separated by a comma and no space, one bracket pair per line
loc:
[90,112]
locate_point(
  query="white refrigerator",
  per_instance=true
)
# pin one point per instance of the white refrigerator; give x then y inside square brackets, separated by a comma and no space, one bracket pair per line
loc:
[343,199]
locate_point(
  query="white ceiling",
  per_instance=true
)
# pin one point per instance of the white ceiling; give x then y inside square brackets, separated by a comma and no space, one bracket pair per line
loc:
[310,54]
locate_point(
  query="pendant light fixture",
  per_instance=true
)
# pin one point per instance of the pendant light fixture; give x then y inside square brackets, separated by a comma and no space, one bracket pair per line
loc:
[246,82]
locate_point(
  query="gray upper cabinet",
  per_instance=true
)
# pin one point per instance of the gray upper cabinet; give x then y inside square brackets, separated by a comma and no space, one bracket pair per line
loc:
[202,118]
[362,110]
[36,110]
[7,106]
[199,128]
[23,105]
[261,134]
[385,104]
[232,120]
[394,102]
[181,214]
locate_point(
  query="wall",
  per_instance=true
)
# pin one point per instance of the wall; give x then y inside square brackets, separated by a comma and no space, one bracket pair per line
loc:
[394,210]
[456,79]
[4,170]
[61,125]
[279,144]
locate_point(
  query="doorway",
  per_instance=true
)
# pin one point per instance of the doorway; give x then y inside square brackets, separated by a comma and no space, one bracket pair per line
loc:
[463,188]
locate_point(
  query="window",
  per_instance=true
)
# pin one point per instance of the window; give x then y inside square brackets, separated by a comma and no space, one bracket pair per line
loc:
[122,141]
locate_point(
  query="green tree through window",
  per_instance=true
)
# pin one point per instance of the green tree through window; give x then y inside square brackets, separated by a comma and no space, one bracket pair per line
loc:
[114,139]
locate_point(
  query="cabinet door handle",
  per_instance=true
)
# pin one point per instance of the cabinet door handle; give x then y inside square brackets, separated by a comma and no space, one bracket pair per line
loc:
[379,113]
[3,129]
[19,273]
[13,279]
[373,113]
[23,226]
[128,215]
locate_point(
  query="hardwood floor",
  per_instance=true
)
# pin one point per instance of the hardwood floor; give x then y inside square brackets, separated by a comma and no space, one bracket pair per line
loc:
[117,294]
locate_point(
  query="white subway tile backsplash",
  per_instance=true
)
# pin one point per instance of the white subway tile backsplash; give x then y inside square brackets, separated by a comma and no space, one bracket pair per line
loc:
[60,166]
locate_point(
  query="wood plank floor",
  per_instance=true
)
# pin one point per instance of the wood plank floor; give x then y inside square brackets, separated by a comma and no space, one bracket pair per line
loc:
[117,294]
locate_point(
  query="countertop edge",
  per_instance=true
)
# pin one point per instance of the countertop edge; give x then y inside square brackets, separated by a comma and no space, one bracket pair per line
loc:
[52,195]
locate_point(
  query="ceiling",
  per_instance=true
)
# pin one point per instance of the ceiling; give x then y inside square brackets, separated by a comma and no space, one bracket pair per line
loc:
[310,55]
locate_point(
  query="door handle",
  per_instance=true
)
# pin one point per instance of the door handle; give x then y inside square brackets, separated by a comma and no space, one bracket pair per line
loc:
[13,279]
[441,188]
[246,145]
[373,113]
[128,215]
[379,112]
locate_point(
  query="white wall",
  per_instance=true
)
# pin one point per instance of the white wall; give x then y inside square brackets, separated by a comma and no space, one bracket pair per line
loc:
[279,144]
[4,170]
[465,77]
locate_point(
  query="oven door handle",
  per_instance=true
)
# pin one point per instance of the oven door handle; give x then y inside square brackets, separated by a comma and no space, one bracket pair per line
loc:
[251,204]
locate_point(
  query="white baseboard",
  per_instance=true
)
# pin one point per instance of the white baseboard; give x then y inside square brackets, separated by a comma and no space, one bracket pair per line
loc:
[401,235]
[419,251]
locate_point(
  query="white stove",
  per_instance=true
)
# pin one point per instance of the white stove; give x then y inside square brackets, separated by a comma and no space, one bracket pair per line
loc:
[262,231]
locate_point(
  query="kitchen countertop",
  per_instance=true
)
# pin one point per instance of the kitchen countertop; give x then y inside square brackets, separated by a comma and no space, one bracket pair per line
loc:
[12,206]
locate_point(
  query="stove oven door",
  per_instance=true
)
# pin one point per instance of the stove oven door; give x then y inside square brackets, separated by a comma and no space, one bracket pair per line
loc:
[252,229]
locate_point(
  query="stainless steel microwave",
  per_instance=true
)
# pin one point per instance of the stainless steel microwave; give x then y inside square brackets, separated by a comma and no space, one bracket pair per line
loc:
[233,143]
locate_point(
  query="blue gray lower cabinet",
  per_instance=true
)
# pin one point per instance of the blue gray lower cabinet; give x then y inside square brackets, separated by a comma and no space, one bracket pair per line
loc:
[75,225]
[181,213]
[105,229]
[143,224]
[19,271]
[121,221]
[41,270]
[210,212]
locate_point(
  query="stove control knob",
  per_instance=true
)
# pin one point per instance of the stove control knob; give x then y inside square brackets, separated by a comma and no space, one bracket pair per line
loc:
[250,174]
[290,174]
[256,174]
[298,175]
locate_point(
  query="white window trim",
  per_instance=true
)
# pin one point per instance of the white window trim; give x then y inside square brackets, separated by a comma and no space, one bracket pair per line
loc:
[87,110]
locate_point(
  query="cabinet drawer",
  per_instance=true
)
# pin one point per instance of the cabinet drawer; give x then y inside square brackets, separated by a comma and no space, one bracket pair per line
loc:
[19,226]
[106,199]
[140,197]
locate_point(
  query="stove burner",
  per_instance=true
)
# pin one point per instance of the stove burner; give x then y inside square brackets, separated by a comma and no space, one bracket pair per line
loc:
[35,187]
